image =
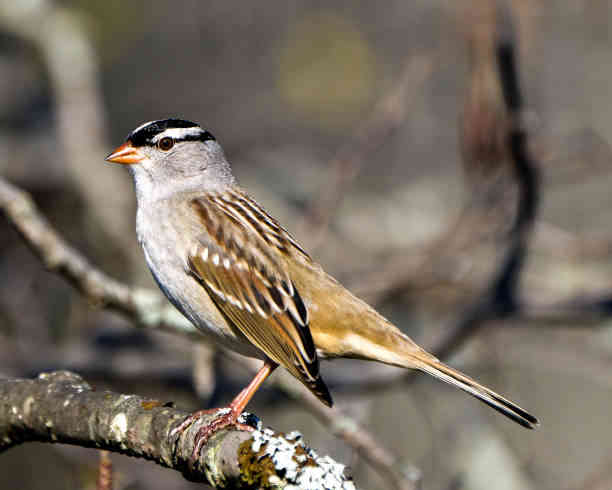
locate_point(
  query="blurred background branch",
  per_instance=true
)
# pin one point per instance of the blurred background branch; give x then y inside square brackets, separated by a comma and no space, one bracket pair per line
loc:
[388,114]
[146,308]
[71,63]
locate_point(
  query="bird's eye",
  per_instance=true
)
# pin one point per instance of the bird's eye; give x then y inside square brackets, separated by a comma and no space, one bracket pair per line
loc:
[166,143]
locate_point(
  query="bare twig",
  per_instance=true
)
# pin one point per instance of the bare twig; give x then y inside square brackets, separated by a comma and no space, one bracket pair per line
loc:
[483,130]
[69,58]
[105,472]
[500,296]
[144,307]
[61,407]
[387,116]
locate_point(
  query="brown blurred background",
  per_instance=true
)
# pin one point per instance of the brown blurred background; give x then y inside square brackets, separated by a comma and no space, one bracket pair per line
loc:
[286,87]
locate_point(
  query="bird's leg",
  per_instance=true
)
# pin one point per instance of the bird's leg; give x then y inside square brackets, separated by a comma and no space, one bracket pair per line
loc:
[227,416]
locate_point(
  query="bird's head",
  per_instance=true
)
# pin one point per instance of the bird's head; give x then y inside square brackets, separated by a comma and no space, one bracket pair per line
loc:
[172,153]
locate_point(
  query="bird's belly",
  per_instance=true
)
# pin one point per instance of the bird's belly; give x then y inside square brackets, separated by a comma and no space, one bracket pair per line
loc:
[193,301]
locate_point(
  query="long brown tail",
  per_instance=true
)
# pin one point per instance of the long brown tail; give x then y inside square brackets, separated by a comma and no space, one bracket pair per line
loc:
[345,326]
[451,376]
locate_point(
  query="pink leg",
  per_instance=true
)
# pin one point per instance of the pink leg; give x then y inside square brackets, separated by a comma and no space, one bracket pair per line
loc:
[230,414]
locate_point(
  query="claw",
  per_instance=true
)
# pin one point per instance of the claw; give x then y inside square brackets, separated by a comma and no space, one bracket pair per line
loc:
[189,420]
[207,431]
[225,417]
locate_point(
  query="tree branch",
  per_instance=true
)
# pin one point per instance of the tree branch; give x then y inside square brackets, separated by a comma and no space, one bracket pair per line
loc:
[60,36]
[105,472]
[501,295]
[493,136]
[146,308]
[61,407]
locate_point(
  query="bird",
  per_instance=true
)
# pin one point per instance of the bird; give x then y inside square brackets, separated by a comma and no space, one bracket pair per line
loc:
[242,279]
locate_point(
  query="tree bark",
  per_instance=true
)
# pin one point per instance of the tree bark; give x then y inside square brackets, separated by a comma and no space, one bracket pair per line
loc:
[61,407]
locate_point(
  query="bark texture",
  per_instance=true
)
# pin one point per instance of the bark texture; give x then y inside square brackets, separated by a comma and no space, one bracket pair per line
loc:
[61,407]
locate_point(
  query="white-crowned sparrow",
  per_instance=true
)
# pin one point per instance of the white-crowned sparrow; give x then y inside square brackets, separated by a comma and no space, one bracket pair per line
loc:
[239,276]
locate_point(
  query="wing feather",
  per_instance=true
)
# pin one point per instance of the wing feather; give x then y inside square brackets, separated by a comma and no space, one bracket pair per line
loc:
[241,261]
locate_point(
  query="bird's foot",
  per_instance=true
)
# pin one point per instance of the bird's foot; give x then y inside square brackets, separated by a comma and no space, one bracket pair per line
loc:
[225,417]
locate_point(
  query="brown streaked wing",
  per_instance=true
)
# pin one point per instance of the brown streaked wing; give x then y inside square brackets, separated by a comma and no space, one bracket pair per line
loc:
[240,260]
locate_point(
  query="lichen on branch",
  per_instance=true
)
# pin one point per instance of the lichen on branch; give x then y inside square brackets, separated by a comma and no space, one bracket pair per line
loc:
[60,407]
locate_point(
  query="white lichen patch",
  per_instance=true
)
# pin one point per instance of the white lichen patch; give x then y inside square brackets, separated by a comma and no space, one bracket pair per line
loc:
[91,425]
[119,426]
[293,459]
[122,399]
[27,405]
[68,400]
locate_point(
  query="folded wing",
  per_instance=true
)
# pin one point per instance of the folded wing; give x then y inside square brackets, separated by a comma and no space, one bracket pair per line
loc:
[241,261]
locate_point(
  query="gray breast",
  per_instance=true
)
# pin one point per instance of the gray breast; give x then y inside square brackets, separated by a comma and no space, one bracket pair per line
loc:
[166,253]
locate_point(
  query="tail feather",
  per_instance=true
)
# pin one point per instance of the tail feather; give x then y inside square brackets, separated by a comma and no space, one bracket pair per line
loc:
[497,402]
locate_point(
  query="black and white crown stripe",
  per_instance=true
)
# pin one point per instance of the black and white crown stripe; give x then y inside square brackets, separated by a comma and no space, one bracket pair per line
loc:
[149,133]
[180,134]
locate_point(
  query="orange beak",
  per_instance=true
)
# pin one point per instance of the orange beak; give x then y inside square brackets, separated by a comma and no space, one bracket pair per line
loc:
[126,154]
